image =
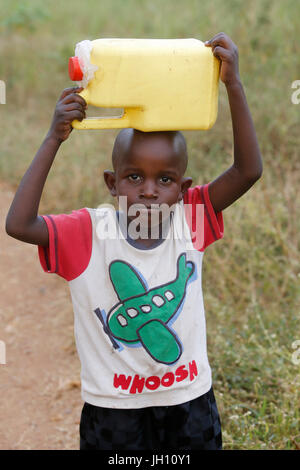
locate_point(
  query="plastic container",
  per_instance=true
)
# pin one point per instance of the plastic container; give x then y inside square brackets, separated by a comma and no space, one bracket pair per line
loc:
[162,84]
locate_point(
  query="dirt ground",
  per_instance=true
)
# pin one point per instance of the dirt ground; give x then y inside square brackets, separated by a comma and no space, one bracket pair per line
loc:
[40,401]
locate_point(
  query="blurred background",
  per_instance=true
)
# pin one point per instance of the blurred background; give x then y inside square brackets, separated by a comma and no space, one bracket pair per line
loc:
[251,277]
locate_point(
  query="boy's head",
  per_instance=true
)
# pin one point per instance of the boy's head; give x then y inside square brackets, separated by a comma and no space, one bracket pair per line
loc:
[149,167]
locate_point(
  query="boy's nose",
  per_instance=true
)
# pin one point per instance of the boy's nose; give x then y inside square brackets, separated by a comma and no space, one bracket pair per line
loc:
[149,190]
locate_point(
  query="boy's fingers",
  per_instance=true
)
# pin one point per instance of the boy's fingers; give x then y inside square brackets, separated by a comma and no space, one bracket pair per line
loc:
[68,91]
[209,41]
[221,53]
[218,36]
[76,115]
[220,39]
[73,97]
[75,106]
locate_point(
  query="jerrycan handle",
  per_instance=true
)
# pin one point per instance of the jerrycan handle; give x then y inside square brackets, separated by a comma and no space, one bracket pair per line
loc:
[102,123]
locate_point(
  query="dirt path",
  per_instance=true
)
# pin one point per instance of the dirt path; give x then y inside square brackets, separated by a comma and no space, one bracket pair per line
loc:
[40,401]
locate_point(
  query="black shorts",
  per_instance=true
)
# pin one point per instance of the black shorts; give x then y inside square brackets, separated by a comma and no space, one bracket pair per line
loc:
[194,425]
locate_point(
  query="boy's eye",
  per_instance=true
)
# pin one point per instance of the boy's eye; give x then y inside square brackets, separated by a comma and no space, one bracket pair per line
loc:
[165,179]
[134,178]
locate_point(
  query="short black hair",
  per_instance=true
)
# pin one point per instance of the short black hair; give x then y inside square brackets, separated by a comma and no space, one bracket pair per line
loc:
[126,136]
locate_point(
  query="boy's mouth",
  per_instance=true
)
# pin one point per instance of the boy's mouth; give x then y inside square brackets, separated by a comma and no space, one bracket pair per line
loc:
[154,212]
[144,209]
[151,209]
[147,213]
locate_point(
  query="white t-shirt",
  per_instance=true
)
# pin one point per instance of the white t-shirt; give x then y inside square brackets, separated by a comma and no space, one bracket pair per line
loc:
[139,317]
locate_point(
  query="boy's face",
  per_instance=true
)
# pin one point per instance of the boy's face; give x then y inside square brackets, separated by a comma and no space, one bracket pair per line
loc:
[149,171]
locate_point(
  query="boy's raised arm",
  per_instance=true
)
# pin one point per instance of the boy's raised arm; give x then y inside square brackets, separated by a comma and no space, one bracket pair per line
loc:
[22,221]
[247,166]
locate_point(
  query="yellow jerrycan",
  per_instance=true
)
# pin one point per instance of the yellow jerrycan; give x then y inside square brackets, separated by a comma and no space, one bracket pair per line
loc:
[162,84]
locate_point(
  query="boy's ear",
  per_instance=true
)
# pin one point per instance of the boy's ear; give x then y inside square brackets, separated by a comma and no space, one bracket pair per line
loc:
[185,184]
[110,180]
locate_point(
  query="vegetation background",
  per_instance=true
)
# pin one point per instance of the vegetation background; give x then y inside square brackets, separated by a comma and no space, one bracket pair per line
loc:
[251,277]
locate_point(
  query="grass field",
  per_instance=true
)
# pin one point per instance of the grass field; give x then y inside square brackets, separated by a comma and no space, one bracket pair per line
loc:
[251,277]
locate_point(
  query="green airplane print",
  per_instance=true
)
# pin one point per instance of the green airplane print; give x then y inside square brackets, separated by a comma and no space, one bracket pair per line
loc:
[142,316]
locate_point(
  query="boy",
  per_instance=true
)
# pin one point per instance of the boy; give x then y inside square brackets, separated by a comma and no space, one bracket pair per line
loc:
[138,306]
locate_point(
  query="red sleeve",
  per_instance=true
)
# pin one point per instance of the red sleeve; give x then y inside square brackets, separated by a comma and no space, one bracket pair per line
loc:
[70,244]
[209,225]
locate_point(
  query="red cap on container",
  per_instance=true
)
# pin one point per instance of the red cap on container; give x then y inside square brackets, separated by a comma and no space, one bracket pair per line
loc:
[75,71]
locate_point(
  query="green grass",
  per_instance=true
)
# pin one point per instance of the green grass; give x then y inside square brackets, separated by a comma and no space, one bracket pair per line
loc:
[251,277]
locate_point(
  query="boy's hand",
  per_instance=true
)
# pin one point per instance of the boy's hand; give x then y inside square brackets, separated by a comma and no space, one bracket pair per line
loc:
[70,106]
[224,49]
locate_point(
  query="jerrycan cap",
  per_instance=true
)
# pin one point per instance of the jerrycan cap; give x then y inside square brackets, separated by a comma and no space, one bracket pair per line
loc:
[75,72]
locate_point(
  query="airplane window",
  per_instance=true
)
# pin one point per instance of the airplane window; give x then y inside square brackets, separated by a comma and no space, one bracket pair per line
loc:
[158,300]
[122,320]
[146,308]
[132,312]
[169,295]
